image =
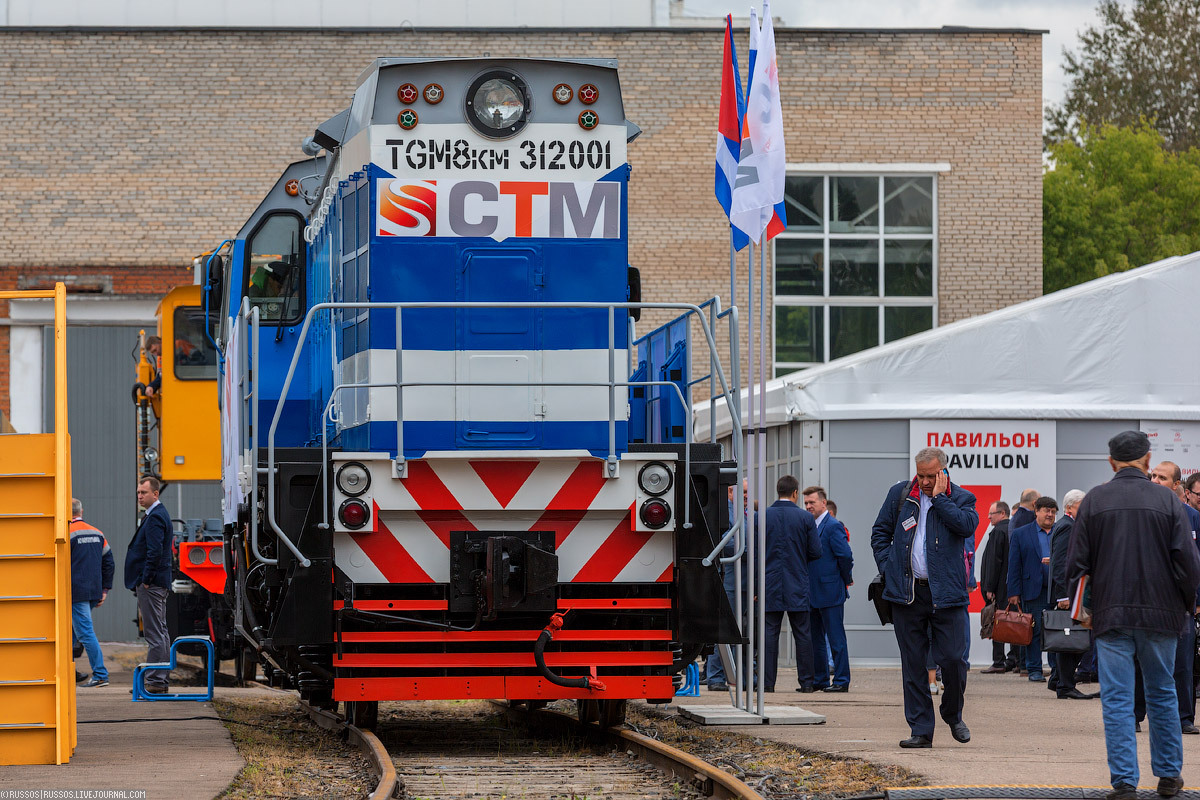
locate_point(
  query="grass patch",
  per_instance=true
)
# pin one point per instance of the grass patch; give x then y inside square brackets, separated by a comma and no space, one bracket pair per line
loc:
[288,756]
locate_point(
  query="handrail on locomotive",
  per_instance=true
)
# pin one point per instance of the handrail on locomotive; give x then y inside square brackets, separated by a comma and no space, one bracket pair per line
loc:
[248,322]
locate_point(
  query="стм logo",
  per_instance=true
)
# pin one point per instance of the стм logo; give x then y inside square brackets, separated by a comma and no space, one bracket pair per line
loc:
[408,209]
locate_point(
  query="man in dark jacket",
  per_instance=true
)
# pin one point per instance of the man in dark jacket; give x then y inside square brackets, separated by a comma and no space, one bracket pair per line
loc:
[148,575]
[791,544]
[830,575]
[993,581]
[1132,543]
[92,569]
[919,543]
[1029,575]
[1062,676]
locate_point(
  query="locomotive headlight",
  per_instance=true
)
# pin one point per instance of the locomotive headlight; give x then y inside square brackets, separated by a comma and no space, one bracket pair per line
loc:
[216,556]
[354,514]
[353,479]
[497,104]
[196,555]
[655,478]
[655,514]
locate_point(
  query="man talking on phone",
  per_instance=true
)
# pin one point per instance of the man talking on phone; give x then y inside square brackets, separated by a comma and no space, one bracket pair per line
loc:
[918,540]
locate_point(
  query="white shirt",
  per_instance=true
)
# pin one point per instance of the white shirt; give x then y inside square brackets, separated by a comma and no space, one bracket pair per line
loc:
[824,514]
[919,567]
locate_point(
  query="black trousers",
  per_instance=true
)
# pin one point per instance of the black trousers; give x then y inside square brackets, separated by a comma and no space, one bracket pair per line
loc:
[914,624]
[1064,671]
[801,635]
[1000,660]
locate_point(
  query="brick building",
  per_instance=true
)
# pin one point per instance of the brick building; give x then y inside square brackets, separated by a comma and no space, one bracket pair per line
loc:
[130,151]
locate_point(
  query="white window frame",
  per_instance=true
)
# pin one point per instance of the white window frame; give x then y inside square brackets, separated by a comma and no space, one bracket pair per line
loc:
[828,171]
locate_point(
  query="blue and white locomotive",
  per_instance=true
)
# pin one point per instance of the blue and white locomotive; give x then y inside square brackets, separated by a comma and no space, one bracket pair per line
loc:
[445,476]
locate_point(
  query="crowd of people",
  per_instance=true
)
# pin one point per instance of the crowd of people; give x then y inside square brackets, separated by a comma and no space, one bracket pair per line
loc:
[809,569]
[1123,558]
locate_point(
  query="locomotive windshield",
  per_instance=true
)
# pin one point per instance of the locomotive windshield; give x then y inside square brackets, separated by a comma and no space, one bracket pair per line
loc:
[275,270]
[195,358]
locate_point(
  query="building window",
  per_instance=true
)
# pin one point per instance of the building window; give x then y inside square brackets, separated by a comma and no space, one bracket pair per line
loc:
[857,266]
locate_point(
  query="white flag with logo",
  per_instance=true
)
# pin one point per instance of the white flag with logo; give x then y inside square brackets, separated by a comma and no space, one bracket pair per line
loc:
[763,163]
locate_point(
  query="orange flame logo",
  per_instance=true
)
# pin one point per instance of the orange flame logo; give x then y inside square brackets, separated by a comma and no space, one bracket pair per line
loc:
[408,209]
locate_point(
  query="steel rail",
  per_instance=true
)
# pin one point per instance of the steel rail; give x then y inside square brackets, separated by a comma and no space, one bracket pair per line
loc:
[708,779]
[389,784]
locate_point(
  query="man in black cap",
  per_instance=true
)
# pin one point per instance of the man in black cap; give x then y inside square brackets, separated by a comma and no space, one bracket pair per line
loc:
[1134,545]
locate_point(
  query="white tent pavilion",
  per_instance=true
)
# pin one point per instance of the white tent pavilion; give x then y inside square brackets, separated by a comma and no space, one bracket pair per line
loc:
[1075,366]
[1120,347]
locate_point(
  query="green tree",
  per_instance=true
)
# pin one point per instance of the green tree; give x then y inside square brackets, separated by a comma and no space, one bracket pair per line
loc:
[1140,62]
[1116,198]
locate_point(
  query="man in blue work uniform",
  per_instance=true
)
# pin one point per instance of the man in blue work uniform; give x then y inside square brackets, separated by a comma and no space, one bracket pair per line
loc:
[92,569]
[791,544]
[919,542]
[1029,575]
[148,575]
[829,577]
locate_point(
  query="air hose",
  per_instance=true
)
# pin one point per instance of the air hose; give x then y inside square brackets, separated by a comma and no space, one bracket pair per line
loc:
[539,657]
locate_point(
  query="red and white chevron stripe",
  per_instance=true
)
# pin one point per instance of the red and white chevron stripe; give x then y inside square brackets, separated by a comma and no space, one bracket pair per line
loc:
[594,519]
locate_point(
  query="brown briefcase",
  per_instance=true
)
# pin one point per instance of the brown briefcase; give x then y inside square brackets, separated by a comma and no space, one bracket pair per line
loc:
[1012,627]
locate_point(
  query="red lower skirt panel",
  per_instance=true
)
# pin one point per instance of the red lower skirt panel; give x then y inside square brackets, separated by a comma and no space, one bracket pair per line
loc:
[504,660]
[496,687]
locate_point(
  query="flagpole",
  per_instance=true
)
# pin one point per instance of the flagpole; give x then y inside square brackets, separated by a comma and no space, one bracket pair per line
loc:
[752,597]
[762,448]
[739,504]
[757,554]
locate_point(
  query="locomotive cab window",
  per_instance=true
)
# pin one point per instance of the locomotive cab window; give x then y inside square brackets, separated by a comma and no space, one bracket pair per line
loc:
[275,269]
[195,358]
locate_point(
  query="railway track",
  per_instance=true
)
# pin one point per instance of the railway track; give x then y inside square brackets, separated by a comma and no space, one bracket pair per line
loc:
[466,749]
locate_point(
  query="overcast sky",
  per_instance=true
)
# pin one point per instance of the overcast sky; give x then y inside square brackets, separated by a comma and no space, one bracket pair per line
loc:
[1064,19]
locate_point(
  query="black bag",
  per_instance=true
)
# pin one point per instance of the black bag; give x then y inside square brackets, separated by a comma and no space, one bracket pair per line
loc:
[875,594]
[1061,634]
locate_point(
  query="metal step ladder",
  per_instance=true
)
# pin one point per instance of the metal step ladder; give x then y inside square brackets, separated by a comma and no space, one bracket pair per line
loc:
[37,672]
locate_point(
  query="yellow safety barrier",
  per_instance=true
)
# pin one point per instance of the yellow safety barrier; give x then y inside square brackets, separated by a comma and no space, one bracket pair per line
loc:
[37,673]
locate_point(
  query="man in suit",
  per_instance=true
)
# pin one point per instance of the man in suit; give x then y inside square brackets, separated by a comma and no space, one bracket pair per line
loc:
[1062,677]
[1029,575]
[918,540]
[993,579]
[829,577]
[791,544]
[1023,514]
[148,575]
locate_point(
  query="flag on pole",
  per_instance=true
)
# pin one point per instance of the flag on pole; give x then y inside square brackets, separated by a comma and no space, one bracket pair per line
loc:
[757,207]
[729,131]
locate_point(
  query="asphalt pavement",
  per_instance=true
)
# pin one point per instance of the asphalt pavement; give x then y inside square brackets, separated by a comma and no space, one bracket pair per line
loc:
[1020,732]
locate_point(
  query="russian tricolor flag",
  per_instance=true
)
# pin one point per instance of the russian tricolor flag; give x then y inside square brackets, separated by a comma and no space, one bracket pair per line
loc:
[729,131]
[758,207]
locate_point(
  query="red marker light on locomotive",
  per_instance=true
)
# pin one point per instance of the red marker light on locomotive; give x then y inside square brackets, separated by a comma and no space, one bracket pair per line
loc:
[354,514]
[655,514]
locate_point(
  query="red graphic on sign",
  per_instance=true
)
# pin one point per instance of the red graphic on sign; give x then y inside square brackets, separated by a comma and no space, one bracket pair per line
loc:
[984,497]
